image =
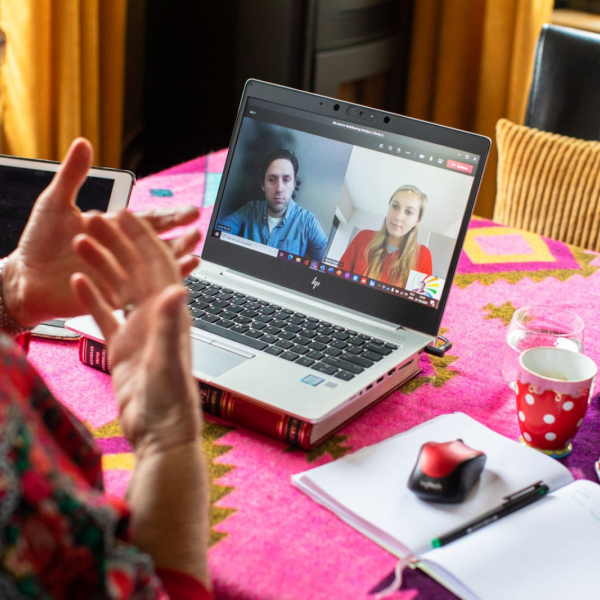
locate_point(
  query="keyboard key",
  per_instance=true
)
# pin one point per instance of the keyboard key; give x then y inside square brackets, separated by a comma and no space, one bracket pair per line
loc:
[268,338]
[274,350]
[303,341]
[286,335]
[374,356]
[308,333]
[318,346]
[229,334]
[284,344]
[297,320]
[272,330]
[324,368]
[305,362]
[258,325]
[225,323]
[356,341]
[300,349]
[358,360]
[254,333]
[242,319]
[249,313]
[291,356]
[324,339]
[194,293]
[339,344]
[210,318]
[239,328]
[315,355]
[197,313]
[332,351]
[345,375]
[292,328]
[340,335]
[354,349]
[378,348]
[338,363]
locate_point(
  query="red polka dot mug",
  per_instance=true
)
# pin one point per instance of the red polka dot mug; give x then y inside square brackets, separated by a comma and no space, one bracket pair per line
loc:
[554,387]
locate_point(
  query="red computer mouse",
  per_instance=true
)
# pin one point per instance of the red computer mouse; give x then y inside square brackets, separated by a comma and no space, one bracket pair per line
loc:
[446,471]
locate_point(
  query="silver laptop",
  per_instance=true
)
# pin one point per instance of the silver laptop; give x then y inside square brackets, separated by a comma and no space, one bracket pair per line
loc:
[329,257]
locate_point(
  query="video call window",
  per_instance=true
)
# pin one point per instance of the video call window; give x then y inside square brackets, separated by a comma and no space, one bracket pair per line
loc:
[373,218]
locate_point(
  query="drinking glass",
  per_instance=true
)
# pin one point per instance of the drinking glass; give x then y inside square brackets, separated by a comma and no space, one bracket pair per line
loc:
[539,325]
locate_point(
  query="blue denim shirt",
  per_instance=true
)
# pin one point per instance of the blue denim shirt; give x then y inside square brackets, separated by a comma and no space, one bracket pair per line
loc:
[299,232]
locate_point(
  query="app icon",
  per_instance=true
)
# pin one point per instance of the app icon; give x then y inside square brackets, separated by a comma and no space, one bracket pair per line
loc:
[322,267]
[363,280]
[306,261]
[347,275]
[372,283]
[331,269]
[290,256]
[355,277]
[313,264]
[338,272]
[298,259]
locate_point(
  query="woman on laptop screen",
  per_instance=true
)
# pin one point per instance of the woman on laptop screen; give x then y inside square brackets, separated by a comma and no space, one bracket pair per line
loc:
[389,255]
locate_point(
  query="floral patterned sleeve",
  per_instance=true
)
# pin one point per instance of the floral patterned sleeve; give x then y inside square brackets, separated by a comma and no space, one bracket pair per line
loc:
[62,536]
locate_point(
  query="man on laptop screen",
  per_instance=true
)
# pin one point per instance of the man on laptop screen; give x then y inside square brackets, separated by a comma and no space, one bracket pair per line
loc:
[278,221]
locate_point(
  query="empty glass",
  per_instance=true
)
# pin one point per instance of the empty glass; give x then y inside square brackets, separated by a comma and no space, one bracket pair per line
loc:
[538,325]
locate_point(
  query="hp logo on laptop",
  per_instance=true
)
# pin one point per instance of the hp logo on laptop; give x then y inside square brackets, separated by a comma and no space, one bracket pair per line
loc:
[315,283]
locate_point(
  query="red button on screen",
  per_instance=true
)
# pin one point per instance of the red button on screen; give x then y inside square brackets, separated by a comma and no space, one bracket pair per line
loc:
[452,164]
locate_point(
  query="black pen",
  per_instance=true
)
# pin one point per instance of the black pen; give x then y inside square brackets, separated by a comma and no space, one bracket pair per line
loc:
[511,504]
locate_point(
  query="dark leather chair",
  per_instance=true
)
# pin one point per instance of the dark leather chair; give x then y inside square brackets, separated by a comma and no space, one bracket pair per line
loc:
[565,91]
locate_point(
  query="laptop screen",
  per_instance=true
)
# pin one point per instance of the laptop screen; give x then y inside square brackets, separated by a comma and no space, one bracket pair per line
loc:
[19,189]
[366,207]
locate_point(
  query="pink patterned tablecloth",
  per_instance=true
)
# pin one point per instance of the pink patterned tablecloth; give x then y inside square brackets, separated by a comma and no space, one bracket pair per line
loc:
[269,540]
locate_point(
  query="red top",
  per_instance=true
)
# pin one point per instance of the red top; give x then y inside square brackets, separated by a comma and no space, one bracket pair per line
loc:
[354,258]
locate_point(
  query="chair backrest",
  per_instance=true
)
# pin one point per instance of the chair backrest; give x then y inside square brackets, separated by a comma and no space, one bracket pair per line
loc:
[565,91]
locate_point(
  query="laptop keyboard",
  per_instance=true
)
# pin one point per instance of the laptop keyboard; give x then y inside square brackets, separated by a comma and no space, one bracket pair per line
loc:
[289,335]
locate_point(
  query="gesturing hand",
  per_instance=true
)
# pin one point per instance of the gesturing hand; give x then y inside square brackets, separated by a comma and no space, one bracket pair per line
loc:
[150,351]
[36,277]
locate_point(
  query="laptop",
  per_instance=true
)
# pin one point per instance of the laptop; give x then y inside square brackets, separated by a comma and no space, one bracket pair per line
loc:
[303,303]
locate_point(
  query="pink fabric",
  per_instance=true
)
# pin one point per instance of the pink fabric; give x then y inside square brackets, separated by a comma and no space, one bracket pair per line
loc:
[277,543]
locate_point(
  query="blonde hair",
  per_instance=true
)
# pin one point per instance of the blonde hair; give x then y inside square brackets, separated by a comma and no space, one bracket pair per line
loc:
[376,251]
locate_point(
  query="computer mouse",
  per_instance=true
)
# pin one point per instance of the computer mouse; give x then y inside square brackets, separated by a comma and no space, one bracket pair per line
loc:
[446,471]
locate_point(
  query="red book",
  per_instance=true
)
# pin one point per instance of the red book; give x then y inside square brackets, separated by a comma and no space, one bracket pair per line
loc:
[245,412]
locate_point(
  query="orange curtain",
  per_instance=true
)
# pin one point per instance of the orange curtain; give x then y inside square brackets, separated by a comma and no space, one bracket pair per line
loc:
[471,64]
[63,76]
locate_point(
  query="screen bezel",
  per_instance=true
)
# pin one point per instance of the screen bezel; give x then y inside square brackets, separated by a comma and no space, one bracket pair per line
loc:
[299,278]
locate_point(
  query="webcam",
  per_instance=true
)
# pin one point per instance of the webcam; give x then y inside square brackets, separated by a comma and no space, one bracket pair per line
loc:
[359,112]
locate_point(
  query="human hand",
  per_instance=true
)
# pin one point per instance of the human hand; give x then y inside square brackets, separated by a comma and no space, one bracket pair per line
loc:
[36,276]
[150,350]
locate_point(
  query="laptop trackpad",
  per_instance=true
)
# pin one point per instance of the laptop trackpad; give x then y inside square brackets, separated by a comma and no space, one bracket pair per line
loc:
[212,360]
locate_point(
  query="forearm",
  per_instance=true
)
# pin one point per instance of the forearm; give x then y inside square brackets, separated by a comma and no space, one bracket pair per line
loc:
[168,496]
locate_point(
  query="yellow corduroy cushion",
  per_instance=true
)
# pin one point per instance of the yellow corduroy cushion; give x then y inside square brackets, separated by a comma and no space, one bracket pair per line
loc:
[548,184]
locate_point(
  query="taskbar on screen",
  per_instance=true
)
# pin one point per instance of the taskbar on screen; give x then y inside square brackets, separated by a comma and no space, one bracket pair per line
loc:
[420,298]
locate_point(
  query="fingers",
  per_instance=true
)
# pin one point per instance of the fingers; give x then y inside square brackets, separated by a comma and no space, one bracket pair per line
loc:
[66,183]
[171,322]
[92,300]
[163,219]
[187,264]
[184,244]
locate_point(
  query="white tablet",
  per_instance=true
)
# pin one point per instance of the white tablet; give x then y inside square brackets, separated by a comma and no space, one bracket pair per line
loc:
[23,179]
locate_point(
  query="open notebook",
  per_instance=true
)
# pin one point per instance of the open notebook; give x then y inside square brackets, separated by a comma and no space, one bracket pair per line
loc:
[546,550]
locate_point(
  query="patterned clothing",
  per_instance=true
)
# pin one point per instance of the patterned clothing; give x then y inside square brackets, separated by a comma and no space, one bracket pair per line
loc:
[299,233]
[61,536]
